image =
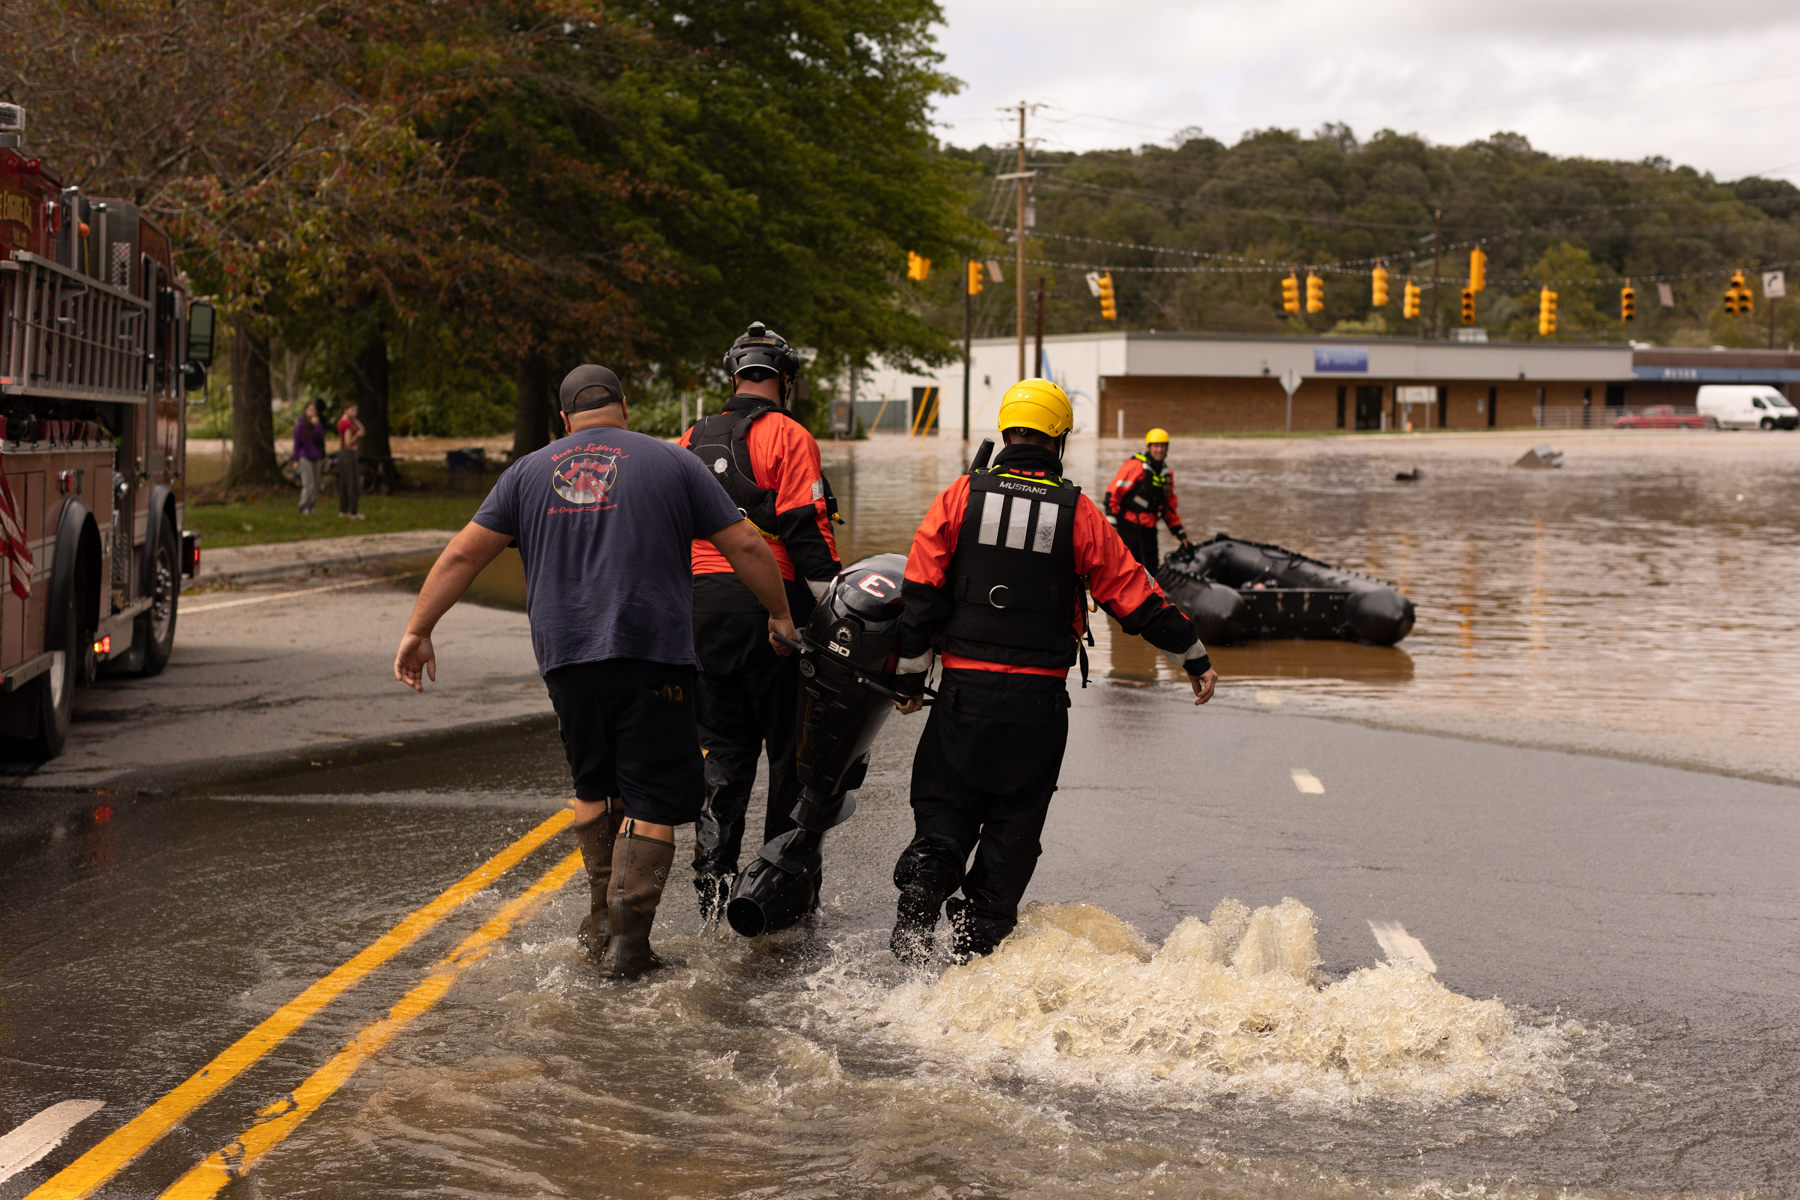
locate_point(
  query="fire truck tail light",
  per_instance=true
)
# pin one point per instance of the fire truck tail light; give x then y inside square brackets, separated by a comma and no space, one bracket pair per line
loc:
[103,647]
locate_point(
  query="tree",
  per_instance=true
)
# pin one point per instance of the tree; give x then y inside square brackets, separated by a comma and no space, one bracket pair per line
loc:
[794,142]
[1199,233]
[659,181]
[1569,271]
[286,144]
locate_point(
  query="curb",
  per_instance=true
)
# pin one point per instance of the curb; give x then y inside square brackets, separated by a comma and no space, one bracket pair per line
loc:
[256,564]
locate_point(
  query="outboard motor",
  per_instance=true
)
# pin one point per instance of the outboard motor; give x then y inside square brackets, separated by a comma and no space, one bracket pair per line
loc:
[848,652]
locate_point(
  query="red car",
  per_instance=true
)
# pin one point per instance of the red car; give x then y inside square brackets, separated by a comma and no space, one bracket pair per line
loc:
[1663,416]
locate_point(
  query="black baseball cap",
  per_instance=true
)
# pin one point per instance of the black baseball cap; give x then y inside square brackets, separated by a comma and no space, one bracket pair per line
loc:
[586,376]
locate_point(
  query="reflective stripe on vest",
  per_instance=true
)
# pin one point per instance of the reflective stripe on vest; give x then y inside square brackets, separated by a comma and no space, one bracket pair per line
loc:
[1150,492]
[1012,580]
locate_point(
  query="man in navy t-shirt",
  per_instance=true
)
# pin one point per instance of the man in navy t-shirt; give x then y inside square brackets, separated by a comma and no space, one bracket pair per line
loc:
[604,520]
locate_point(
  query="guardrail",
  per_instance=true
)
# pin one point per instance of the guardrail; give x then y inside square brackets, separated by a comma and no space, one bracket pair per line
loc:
[1608,416]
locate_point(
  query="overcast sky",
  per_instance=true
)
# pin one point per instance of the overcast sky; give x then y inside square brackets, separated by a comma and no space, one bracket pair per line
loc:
[1712,85]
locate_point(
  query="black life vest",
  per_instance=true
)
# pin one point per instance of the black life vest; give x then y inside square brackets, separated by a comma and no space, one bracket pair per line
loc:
[1012,581]
[1151,492]
[719,442]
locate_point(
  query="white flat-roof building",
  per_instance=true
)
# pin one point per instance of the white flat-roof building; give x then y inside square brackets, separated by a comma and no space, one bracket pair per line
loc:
[1123,383]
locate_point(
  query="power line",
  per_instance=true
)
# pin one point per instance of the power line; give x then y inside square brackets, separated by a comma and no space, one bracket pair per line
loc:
[1263,265]
[1454,110]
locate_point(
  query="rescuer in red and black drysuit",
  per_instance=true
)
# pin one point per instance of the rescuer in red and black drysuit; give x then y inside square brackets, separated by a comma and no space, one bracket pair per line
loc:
[748,695]
[1142,493]
[995,583]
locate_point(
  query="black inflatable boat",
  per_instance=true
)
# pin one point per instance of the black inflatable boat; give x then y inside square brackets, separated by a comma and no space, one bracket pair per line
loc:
[1237,591]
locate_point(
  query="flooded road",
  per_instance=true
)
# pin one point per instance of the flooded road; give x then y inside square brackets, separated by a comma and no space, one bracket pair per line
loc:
[1604,606]
[1610,1010]
[1443,967]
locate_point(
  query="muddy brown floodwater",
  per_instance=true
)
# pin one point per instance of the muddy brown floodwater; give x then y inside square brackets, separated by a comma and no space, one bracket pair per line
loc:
[1638,602]
[1641,600]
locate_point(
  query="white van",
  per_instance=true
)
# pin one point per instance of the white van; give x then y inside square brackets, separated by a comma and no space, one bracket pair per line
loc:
[1746,406]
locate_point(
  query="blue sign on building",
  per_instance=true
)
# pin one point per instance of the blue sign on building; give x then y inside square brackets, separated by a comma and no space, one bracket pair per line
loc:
[1716,374]
[1340,358]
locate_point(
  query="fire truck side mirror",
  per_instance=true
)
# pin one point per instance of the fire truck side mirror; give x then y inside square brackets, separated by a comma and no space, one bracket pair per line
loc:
[201,317]
[193,377]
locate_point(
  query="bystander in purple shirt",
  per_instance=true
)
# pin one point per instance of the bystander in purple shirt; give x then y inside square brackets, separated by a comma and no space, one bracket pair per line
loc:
[309,439]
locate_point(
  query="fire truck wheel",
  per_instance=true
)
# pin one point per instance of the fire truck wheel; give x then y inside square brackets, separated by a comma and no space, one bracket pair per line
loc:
[56,691]
[157,627]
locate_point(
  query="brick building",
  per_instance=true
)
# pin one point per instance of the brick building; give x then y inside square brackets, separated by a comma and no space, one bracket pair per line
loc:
[1672,376]
[1213,383]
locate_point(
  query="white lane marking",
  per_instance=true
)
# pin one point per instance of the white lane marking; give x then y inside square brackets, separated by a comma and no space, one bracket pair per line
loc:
[42,1134]
[1401,946]
[1307,782]
[1268,697]
[186,611]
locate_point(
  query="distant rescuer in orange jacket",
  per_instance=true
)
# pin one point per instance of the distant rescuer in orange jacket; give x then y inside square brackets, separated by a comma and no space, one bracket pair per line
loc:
[1142,493]
[748,695]
[995,585]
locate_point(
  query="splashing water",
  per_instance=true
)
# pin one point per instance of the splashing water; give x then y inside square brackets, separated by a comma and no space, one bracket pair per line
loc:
[1230,1006]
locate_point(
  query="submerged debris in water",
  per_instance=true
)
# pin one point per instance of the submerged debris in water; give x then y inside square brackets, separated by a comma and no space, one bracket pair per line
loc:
[1227,1005]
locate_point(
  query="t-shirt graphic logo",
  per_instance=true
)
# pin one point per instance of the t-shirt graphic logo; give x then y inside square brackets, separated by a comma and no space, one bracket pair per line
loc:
[585,478]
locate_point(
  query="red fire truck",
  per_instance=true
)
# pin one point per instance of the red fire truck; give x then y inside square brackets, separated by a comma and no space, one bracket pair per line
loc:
[99,343]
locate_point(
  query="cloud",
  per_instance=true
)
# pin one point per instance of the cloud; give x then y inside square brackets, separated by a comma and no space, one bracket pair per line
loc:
[1718,89]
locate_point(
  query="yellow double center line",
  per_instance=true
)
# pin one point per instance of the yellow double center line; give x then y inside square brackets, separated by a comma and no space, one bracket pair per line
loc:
[284,1116]
[123,1145]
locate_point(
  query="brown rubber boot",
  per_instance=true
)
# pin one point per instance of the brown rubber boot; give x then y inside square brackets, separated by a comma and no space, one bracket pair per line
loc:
[595,838]
[639,870]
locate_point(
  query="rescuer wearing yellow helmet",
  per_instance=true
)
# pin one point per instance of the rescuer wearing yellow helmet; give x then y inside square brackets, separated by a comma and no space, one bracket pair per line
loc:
[1142,493]
[994,585]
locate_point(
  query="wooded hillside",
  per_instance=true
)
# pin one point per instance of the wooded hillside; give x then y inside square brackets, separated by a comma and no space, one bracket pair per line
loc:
[1199,237]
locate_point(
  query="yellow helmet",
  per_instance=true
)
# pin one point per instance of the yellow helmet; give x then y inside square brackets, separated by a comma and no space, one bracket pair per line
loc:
[1036,404]
[1155,436]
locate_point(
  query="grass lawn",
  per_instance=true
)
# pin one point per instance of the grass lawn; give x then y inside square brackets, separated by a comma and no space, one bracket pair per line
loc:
[272,514]
[277,518]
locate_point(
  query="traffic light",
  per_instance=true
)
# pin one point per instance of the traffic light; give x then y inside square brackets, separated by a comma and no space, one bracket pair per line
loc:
[1546,312]
[1409,303]
[1477,270]
[1628,302]
[1738,298]
[1468,306]
[1378,288]
[1315,293]
[974,278]
[917,268]
[1109,308]
[1290,294]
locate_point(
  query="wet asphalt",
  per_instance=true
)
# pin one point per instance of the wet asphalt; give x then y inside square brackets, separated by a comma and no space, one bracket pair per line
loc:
[152,911]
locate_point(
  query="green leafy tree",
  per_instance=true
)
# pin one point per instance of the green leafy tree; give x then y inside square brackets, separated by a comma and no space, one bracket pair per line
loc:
[1199,234]
[793,140]
[1569,271]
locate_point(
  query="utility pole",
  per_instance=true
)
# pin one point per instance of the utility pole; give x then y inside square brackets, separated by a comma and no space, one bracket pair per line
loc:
[1020,177]
[1019,264]
[968,337]
[1437,253]
[1768,299]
